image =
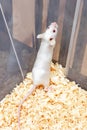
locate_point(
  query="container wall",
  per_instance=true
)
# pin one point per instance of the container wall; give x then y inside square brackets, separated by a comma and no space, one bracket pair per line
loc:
[77,63]
[19,45]
[9,69]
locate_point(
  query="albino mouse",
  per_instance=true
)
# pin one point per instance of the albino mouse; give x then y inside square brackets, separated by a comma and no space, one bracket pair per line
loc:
[41,68]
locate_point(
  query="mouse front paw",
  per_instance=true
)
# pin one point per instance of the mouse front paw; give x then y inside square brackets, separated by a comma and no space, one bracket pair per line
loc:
[52,42]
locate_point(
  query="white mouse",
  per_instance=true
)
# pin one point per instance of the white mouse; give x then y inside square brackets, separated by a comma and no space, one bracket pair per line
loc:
[41,68]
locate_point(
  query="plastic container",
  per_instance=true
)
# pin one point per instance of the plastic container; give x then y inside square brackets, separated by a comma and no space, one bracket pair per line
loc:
[77,54]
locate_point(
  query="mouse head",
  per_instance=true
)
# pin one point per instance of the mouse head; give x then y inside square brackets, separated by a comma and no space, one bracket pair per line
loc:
[50,33]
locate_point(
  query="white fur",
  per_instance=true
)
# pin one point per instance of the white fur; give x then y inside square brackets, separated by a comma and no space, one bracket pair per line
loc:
[41,69]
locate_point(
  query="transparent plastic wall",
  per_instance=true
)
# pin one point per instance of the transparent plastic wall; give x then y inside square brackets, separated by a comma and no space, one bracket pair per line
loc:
[76,65]
[16,56]
[20,22]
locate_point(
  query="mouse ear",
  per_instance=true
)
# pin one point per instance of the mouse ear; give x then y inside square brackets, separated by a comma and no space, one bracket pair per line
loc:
[40,35]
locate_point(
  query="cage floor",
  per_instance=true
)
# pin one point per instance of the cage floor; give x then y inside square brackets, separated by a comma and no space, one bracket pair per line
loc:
[63,107]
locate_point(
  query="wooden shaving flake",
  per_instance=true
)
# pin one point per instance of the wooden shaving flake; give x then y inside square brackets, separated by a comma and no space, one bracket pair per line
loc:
[63,107]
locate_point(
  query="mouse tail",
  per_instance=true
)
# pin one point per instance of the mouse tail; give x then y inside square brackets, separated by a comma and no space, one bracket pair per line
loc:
[20,104]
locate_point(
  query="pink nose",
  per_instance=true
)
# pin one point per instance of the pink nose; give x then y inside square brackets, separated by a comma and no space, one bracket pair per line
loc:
[54,24]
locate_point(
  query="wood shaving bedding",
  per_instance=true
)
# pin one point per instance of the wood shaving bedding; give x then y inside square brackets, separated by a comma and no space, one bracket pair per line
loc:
[63,107]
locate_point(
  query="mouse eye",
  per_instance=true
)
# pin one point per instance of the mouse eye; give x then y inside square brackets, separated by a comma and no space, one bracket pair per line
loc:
[51,39]
[54,31]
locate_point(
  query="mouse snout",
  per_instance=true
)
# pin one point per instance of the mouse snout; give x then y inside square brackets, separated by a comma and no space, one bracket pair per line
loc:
[54,24]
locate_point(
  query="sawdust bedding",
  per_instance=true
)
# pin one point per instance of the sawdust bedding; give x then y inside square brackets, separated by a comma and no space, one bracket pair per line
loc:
[63,107]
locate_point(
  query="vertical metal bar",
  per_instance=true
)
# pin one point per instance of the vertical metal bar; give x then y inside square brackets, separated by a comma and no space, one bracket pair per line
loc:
[73,34]
[52,11]
[76,34]
[38,19]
